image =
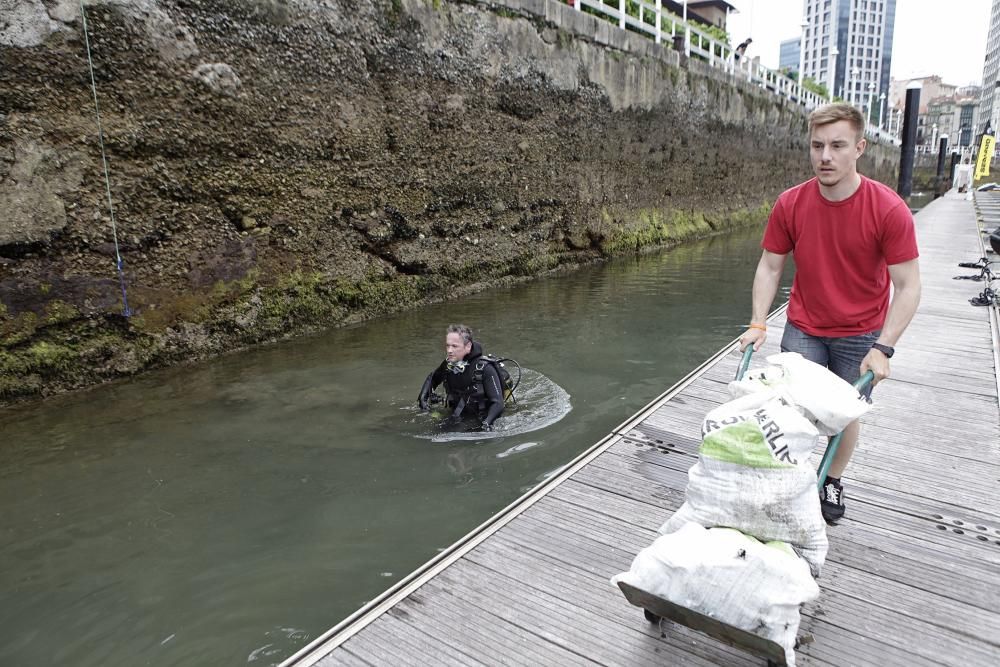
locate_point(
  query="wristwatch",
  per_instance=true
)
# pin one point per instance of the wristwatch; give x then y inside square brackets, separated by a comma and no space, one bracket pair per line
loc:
[887,350]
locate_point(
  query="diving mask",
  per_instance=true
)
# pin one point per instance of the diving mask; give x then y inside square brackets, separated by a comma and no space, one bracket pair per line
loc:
[457,367]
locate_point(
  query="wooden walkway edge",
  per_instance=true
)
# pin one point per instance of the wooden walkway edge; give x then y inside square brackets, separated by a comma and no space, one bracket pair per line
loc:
[913,573]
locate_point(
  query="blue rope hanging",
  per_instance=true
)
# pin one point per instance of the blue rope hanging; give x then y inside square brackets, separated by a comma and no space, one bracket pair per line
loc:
[126,311]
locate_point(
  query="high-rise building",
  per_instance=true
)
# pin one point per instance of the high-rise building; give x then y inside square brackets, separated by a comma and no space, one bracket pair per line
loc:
[848,46]
[989,104]
[788,56]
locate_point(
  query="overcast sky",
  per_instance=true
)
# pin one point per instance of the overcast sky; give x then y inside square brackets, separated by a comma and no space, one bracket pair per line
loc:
[944,38]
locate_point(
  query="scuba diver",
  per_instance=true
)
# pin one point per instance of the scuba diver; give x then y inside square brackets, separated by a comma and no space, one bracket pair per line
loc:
[476,384]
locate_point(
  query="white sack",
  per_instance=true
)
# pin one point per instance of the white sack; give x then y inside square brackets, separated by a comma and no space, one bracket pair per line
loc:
[731,577]
[831,402]
[753,475]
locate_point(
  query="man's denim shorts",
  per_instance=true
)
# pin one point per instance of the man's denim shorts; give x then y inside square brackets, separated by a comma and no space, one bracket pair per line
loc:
[841,355]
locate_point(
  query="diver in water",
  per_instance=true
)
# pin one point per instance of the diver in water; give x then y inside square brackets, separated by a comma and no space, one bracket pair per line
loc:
[472,382]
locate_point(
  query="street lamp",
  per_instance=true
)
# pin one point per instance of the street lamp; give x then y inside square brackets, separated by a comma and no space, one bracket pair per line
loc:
[996,107]
[851,97]
[881,111]
[871,96]
[831,70]
[802,52]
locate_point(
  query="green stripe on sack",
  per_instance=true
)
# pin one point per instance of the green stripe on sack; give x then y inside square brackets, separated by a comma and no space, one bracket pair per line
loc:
[783,547]
[742,444]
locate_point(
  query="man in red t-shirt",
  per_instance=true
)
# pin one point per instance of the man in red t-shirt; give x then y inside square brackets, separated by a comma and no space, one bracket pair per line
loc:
[851,238]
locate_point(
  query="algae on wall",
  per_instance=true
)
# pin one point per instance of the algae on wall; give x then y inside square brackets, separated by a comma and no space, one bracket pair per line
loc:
[277,168]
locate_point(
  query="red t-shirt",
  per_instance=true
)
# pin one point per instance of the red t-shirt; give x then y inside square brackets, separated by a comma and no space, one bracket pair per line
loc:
[842,254]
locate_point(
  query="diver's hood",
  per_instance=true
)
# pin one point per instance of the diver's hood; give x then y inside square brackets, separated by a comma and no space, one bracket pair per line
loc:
[475,353]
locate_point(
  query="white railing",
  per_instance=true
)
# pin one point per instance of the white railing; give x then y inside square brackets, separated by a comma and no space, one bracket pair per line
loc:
[660,25]
[881,136]
[965,152]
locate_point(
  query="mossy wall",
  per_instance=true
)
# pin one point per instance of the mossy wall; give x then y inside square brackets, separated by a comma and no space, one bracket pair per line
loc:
[283,167]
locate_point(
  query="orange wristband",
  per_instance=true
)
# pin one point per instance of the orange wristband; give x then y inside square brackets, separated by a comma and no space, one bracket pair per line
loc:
[762,327]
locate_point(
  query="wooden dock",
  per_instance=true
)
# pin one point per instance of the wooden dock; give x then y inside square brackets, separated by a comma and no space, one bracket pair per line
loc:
[913,573]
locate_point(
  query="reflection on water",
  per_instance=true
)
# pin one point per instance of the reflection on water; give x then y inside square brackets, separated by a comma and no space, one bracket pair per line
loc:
[517,448]
[918,200]
[227,512]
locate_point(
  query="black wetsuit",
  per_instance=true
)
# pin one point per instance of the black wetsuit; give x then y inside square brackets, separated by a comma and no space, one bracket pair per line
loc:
[468,395]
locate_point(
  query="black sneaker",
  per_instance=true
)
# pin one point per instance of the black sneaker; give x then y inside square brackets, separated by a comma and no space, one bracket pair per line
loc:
[831,501]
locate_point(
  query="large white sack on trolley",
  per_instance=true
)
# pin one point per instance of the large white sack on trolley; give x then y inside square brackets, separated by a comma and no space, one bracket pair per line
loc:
[729,576]
[827,399]
[753,475]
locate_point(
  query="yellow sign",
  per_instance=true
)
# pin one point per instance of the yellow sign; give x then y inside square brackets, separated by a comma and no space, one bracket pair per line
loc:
[985,156]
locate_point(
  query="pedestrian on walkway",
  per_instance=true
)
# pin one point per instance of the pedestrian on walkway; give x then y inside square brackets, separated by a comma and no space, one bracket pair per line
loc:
[851,237]
[741,49]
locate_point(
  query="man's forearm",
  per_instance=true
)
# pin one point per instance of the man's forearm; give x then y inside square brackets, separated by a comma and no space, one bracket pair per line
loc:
[905,278]
[904,305]
[765,286]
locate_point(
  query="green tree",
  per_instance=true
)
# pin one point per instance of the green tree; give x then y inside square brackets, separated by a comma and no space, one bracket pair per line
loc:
[715,32]
[814,87]
[809,83]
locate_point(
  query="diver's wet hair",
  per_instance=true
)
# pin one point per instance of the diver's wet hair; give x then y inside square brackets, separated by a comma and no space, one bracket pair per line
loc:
[462,330]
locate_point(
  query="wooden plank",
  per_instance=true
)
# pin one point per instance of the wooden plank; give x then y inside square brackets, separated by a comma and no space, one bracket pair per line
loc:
[914,635]
[920,506]
[347,658]
[977,623]
[961,553]
[956,553]
[561,619]
[410,643]
[847,633]
[964,492]
[918,434]
[951,374]
[949,573]
[889,436]
[900,558]
[481,630]
[977,414]
[594,595]
[387,645]
[534,611]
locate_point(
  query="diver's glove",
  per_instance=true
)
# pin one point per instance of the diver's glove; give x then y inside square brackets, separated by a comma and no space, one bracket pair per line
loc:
[425,394]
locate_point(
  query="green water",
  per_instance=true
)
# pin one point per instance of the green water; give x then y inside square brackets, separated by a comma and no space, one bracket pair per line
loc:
[918,200]
[227,513]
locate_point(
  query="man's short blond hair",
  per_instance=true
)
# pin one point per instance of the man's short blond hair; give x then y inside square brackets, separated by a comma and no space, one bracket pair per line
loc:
[832,113]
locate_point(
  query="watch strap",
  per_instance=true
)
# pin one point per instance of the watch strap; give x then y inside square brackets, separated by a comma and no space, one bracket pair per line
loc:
[887,350]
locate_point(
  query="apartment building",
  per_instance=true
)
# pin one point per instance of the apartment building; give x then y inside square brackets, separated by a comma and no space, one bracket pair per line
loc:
[847,46]
[989,101]
[953,115]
